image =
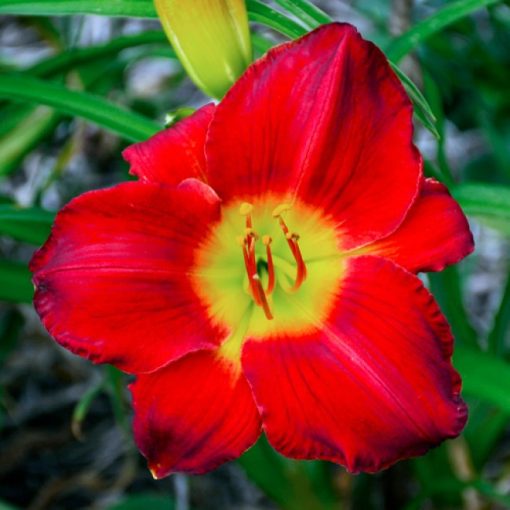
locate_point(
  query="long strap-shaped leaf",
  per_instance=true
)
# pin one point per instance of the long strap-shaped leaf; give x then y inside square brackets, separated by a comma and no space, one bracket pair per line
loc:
[133,8]
[452,12]
[484,376]
[77,56]
[257,11]
[129,125]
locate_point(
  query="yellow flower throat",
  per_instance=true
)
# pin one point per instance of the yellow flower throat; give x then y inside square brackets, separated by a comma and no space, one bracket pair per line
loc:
[258,278]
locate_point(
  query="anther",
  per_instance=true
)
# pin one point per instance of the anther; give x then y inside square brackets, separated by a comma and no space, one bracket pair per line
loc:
[278,210]
[245,209]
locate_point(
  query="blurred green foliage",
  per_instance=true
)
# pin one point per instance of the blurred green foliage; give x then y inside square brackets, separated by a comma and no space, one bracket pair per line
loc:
[459,81]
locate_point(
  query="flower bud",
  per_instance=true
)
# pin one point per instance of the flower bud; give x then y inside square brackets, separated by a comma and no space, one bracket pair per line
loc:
[211,39]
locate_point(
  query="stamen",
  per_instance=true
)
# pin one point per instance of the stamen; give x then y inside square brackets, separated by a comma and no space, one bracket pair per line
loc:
[292,241]
[245,210]
[262,296]
[270,265]
[301,267]
[250,270]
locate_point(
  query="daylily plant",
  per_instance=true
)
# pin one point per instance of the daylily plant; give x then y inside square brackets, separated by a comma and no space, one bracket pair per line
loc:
[261,273]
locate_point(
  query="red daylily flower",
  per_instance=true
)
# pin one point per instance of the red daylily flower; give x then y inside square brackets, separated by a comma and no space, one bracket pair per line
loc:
[260,273]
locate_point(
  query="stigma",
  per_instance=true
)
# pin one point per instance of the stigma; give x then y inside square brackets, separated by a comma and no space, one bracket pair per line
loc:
[248,242]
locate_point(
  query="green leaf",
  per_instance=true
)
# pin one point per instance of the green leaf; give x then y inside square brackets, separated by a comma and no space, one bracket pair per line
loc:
[488,203]
[261,13]
[484,376]
[7,506]
[422,109]
[115,384]
[82,408]
[147,500]
[261,44]
[74,57]
[11,326]
[31,225]
[134,8]
[292,7]
[447,289]
[25,136]
[292,485]
[312,11]
[129,125]
[15,282]
[449,14]
[484,429]
[500,331]
[257,11]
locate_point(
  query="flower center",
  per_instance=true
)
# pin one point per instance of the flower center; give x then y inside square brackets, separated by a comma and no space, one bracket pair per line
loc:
[248,243]
[259,278]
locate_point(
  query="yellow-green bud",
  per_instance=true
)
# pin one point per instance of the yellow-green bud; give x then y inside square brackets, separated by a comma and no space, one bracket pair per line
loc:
[211,39]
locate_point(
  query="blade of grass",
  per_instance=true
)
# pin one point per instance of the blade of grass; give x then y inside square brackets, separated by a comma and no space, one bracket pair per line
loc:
[29,225]
[26,135]
[422,109]
[82,408]
[293,8]
[257,11]
[261,13]
[132,8]
[436,104]
[487,202]
[484,376]
[500,331]
[15,282]
[115,384]
[485,427]
[447,289]
[75,57]
[449,14]
[312,11]
[129,125]
[261,44]
[286,482]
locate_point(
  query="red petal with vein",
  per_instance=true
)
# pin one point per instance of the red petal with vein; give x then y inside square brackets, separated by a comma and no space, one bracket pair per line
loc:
[326,119]
[373,386]
[175,153]
[433,235]
[193,415]
[111,280]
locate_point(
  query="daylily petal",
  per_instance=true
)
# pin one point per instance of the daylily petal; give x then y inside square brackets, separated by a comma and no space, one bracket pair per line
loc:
[111,282]
[434,234]
[175,153]
[326,120]
[193,415]
[372,385]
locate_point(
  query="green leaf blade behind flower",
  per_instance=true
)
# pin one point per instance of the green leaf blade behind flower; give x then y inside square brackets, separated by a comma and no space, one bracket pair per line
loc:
[257,11]
[134,8]
[489,203]
[452,12]
[30,225]
[15,282]
[484,376]
[129,125]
